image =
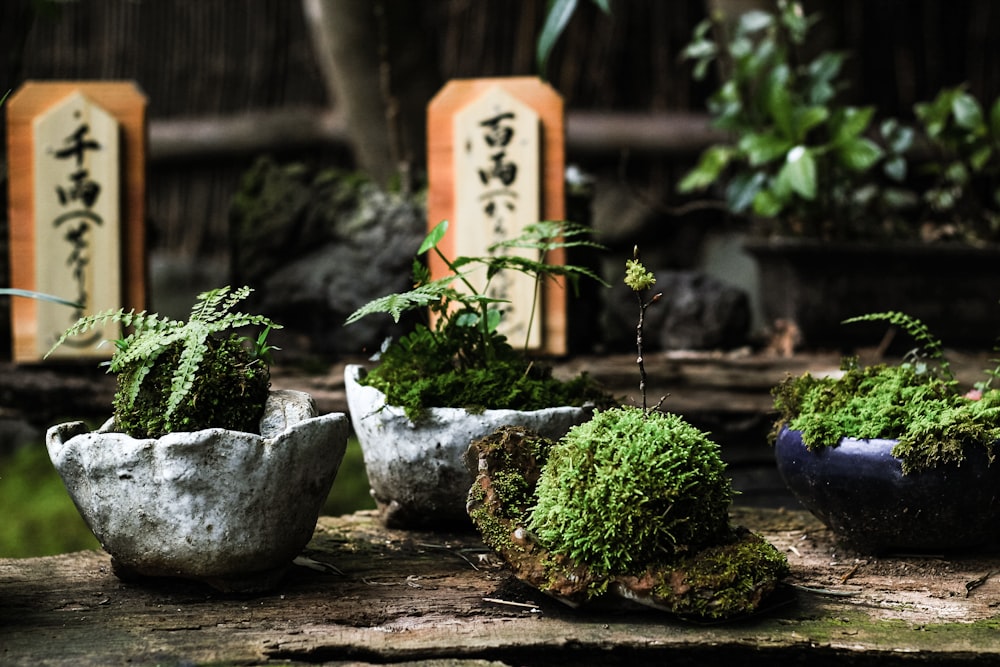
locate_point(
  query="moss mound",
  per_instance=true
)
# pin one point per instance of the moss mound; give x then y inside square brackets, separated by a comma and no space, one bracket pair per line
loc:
[450,368]
[229,391]
[655,484]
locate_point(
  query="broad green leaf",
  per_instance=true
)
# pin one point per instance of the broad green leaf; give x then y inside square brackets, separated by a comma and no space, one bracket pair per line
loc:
[851,122]
[433,237]
[493,317]
[713,160]
[767,205]
[968,112]
[895,168]
[467,319]
[826,67]
[799,172]
[981,157]
[858,154]
[808,118]
[742,190]
[763,148]
[779,103]
[755,20]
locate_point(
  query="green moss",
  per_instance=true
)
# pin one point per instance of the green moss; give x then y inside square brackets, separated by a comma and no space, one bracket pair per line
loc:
[512,457]
[933,422]
[628,488]
[428,369]
[229,391]
[722,581]
[718,572]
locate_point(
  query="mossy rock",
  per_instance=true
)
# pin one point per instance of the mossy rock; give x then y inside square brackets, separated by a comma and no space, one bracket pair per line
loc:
[719,572]
[229,391]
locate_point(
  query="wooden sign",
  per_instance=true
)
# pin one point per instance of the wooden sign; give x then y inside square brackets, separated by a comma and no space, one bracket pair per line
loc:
[496,163]
[76,155]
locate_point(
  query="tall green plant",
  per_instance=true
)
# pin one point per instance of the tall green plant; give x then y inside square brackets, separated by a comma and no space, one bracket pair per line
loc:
[461,359]
[457,303]
[556,19]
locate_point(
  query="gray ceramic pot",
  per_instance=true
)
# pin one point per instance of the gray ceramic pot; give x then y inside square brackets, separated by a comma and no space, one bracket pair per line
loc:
[417,472]
[228,508]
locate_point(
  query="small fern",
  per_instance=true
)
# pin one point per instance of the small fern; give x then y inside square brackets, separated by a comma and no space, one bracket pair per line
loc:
[929,343]
[472,306]
[137,353]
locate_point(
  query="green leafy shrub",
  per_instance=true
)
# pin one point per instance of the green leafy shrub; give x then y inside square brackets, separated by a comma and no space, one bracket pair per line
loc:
[798,159]
[183,376]
[963,196]
[629,488]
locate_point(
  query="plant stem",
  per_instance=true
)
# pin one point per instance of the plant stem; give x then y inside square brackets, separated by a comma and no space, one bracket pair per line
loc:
[483,307]
[638,344]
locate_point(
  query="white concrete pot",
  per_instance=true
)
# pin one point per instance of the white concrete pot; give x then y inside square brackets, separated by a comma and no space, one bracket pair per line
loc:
[417,472]
[228,508]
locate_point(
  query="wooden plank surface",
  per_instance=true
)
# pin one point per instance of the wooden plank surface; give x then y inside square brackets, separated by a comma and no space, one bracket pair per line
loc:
[436,599]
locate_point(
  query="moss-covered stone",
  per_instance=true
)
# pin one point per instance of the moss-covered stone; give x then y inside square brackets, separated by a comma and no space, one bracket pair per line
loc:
[653,486]
[722,581]
[229,391]
[728,574]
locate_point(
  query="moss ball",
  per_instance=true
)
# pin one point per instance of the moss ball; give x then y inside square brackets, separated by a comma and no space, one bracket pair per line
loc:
[628,488]
[229,391]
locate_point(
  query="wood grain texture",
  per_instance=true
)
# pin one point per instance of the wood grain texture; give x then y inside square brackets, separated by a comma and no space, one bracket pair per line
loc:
[433,599]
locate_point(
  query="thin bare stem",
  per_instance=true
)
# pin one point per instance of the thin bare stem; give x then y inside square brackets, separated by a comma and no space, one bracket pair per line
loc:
[638,343]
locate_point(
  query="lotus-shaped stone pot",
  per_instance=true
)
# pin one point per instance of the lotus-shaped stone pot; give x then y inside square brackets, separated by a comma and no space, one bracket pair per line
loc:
[227,508]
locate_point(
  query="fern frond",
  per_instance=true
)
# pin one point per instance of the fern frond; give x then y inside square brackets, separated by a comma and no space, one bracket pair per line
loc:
[207,306]
[549,235]
[917,330]
[537,269]
[237,320]
[221,302]
[136,354]
[195,347]
[143,348]
[131,390]
[85,324]
[400,302]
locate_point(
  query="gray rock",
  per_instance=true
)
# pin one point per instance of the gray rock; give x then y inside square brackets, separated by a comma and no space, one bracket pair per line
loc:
[696,312]
[317,245]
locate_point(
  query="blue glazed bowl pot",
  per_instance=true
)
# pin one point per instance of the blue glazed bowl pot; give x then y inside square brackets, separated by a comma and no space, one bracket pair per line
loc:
[859,491]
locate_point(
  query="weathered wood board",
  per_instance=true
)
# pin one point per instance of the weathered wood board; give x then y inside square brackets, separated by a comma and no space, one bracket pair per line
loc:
[442,599]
